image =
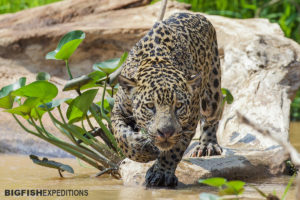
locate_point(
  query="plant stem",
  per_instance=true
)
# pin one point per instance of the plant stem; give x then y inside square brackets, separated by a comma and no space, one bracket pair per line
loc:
[98,157]
[61,115]
[68,69]
[102,103]
[77,152]
[26,129]
[34,124]
[89,122]
[112,91]
[63,146]
[105,129]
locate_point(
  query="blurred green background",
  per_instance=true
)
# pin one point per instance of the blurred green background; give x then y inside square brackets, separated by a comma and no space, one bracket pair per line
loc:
[284,12]
[11,6]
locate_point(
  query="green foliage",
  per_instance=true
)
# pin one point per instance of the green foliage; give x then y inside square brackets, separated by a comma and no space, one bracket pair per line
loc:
[288,186]
[11,6]
[227,96]
[214,182]
[295,107]
[6,98]
[225,187]
[80,105]
[233,188]
[111,65]
[285,12]
[37,98]
[66,46]
[236,188]
[53,104]
[52,164]
[43,90]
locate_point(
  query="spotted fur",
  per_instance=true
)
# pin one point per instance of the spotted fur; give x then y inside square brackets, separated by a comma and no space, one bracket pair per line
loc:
[170,81]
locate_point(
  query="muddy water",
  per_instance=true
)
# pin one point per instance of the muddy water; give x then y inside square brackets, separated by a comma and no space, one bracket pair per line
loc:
[18,172]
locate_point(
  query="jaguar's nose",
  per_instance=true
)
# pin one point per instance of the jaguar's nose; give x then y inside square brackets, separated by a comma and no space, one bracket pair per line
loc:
[166,132]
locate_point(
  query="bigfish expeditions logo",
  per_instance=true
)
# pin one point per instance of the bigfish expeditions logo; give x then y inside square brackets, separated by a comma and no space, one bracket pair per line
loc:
[45,192]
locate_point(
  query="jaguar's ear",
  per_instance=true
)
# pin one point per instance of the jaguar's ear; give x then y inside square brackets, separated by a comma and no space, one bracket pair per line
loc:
[194,81]
[127,84]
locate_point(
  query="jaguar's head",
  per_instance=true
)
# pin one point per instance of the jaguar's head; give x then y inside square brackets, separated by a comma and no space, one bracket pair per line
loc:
[161,102]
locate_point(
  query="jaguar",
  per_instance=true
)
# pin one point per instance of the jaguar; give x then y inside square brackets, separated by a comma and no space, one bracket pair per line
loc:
[170,81]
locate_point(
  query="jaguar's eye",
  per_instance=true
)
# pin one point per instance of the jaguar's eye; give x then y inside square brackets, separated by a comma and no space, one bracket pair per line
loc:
[150,106]
[179,105]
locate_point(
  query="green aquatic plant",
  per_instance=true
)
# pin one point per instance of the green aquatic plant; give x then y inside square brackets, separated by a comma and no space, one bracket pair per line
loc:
[234,189]
[225,187]
[36,99]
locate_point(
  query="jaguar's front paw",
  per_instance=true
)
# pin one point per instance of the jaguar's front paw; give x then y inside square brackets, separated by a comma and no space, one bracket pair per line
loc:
[210,149]
[158,178]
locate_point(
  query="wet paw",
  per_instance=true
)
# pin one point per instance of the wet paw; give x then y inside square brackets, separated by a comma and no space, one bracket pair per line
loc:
[159,178]
[210,149]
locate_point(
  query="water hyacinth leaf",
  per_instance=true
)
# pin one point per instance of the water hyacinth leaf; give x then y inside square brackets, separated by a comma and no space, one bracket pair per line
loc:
[215,182]
[111,102]
[85,81]
[54,103]
[51,55]
[111,65]
[7,102]
[80,105]
[67,45]
[12,87]
[236,185]
[76,83]
[106,106]
[43,76]
[97,75]
[41,89]
[89,86]
[226,191]
[108,66]
[32,102]
[122,59]
[69,101]
[37,113]
[29,108]
[6,99]
[51,164]
[97,80]
[227,96]
[22,110]
[208,196]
